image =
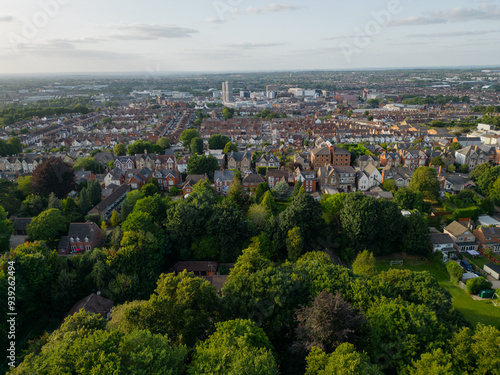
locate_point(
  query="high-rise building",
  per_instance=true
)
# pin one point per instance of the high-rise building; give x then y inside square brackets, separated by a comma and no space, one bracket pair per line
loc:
[227,92]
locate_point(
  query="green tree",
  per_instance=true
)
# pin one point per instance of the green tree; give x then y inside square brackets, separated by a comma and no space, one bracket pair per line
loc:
[296,189]
[48,226]
[474,286]
[269,202]
[236,347]
[425,180]
[258,215]
[228,113]
[464,168]
[115,219]
[436,362]
[294,244]
[364,264]
[183,306]
[87,164]
[24,185]
[230,147]
[196,146]
[345,360]
[129,203]
[218,142]
[84,201]
[438,162]
[237,194]
[411,331]
[415,239]
[203,164]
[389,185]
[33,205]
[120,150]
[188,135]
[455,272]
[262,188]
[5,231]
[455,146]
[83,346]
[332,205]
[164,143]
[227,226]
[150,189]
[54,202]
[94,192]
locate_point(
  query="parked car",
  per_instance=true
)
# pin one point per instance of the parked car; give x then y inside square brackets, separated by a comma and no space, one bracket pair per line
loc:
[466,266]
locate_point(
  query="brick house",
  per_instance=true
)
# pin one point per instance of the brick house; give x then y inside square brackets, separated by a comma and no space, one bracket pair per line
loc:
[167,179]
[320,157]
[340,157]
[462,236]
[81,237]
[276,175]
[192,180]
[390,159]
[252,180]
[308,179]
[488,238]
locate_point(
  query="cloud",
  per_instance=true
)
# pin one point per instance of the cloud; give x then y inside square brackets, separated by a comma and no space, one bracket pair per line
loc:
[272,8]
[248,45]
[141,31]
[6,19]
[453,34]
[461,14]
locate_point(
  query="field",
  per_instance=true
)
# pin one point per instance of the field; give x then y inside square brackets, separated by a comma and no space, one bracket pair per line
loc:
[473,310]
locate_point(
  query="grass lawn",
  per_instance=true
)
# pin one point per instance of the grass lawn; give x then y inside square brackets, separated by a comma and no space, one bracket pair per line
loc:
[474,311]
[478,261]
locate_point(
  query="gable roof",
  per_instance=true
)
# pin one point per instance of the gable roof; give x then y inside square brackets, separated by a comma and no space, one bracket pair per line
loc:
[94,304]
[456,229]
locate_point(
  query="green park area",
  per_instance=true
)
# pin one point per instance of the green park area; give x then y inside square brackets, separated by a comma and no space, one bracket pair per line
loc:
[473,310]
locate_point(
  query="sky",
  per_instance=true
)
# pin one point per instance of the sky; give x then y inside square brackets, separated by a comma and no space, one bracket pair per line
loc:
[152,36]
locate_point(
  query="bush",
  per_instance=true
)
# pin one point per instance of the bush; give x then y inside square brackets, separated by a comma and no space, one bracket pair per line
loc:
[455,271]
[474,286]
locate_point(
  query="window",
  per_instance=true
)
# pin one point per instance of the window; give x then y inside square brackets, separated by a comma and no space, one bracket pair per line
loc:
[88,247]
[73,248]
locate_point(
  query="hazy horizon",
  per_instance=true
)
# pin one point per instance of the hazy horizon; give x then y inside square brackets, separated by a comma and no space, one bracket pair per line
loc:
[153,37]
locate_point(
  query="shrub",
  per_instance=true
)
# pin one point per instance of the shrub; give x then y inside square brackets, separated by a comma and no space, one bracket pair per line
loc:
[455,271]
[474,286]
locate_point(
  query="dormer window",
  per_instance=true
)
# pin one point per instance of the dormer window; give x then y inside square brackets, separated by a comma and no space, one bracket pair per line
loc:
[72,239]
[86,239]
[77,239]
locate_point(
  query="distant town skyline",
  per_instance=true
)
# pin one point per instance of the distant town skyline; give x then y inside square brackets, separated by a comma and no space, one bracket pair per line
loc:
[152,36]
